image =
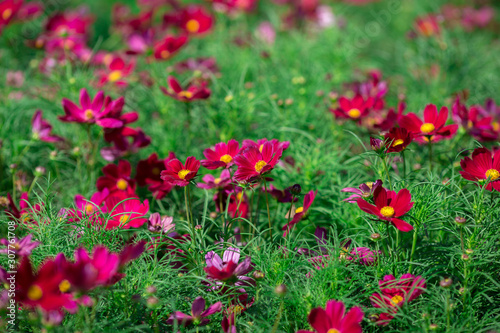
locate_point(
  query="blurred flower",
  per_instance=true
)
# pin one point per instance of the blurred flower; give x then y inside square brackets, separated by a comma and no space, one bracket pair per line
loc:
[363,256]
[168,47]
[266,32]
[191,93]
[355,108]
[41,129]
[20,247]
[117,178]
[475,120]
[195,20]
[14,78]
[334,319]
[116,72]
[198,313]
[210,182]
[299,212]
[427,25]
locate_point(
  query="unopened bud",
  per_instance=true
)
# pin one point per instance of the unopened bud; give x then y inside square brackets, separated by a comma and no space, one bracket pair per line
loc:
[446,283]
[152,301]
[465,257]
[433,327]
[39,171]
[198,227]
[377,145]
[460,220]
[375,237]
[258,275]
[295,189]
[469,251]
[280,290]
[151,290]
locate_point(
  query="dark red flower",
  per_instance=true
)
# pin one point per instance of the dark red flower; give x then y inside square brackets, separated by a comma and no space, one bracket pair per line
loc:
[397,139]
[433,127]
[221,156]
[484,167]
[475,120]
[333,319]
[168,47]
[117,178]
[191,93]
[179,174]
[355,108]
[116,72]
[300,212]
[149,173]
[228,268]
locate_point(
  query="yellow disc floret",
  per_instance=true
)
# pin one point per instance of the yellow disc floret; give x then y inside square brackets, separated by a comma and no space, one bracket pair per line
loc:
[115,76]
[88,114]
[192,26]
[64,286]
[333,330]
[35,293]
[397,142]
[186,94]
[7,14]
[354,113]
[396,300]
[387,211]
[164,54]
[124,219]
[122,184]
[427,128]
[299,210]
[226,158]
[183,173]
[492,174]
[259,165]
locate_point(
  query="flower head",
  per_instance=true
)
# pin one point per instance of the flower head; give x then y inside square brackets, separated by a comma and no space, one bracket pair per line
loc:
[253,163]
[221,182]
[20,247]
[484,166]
[397,139]
[227,269]
[333,319]
[198,314]
[365,190]
[41,129]
[432,128]
[158,224]
[355,108]
[181,174]
[189,94]
[300,212]
[195,20]
[117,178]
[221,156]
[126,212]
[169,46]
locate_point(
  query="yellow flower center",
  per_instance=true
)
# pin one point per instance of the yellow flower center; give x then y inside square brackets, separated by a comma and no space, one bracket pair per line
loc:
[396,300]
[259,165]
[496,126]
[299,210]
[64,286]
[427,128]
[427,28]
[333,330]
[217,181]
[35,293]
[107,59]
[88,114]
[155,171]
[192,26]
[183,173]
[124,219]
[369,184]
[428,139]
[239,196]
[7,14]
[492,174]
[115,76]
[89,208]
[186,94]
[226,158]
[122,184]
[397,142]
[354,113]
[165,54]
[387,211]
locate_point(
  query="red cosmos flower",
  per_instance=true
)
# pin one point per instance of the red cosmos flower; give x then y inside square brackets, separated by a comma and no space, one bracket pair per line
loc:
[219,182]
[333,319]
[221,156]
[43,288]
[397,139]
[433,128]
[91,111]
[355,108]
[25,211]
[117,178]
[116,72]
[90,208]
[41,129]
[483,167]
[8,9]
[128,142]
[260,144]
[300,212]
[149,173]
[168,47]
[191,93]
[365,191]
[475,120]
[125,212]
[253,163]
[389,206]
[179,174]
[427,26]
[227,269]
[395,293]
[198,313]
[195,20]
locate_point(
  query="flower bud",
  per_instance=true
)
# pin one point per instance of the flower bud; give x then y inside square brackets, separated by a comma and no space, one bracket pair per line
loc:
[469,251]
[377,145]
[39,171]
[152,301]
[198,227]
[258,275]
[4,202]
[460,220]
[280,290]
[76,151]
[465,257]
[373,318]
[295,189]
[151,290]
[375,237]
[433,327]
[446,283]
[213,215]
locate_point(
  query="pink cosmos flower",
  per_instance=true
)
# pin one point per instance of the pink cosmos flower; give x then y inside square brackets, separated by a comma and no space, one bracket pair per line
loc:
[389,206]
[198,313]
[116,72]
[260,144]
[41,129]
[125,212]
[300,212]
[20,247]
[189,94]
[228,268]
[333,319]
[363,256]
[356,108]
[156,223]
[168,47]
[210,182]
[179,174]
[365,191]
[221,156]
[253,163]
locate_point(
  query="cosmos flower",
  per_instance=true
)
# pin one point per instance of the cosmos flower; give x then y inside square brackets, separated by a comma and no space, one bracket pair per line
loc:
[355,108]
[156,223]
[238,203]
[227,269]
[363,256]
[25,211]
[484,166]
[149,174]
[91,208]
[397,139]
[179,174]
[475,120]
[211,182]
[191,93]
[198,313]
[333,319]
[195,20]
[300,212]
[282,196]
[389,206]
[125,212]
[394,293]
[90,111]
[432,128]
[41,129]
[427,26]
[221,156]
[116,72]
[127,142]
[20,247]
[253,163]
[260,144]
[117,178]
[365,191]
[168,47]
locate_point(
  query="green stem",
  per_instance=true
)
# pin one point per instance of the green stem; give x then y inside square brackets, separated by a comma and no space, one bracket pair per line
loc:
[268,212]
[278,317]
[32,185]
[430,155]
[404,164]
[387,172]
[413,246]
[187,205]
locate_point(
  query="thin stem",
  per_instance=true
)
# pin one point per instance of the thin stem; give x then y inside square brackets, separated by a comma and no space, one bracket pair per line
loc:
[278,317]
[387,172]
[462,239]
[413,246]
[187,205]
[32,184]
[404,164]
[430,155]
[268,212]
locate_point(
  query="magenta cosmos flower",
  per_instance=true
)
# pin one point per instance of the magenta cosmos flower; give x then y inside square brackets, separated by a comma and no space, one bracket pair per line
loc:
[116,72]
[300,212]
[432,128]
[156,223]
[20,247]
[228,268]
[333,319]
[117,178]
[484,166]
[42,129]
[211,182]
[389,206]
[91,111]
[395,293]
[253,163]
[221,156]
[125,212]
[260,144]
[355,108]
[181,174]
[198,313]
[189,94]
[365,190]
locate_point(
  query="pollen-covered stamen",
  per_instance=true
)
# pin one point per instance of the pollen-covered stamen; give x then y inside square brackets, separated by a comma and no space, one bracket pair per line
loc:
[259,165]
[492,174]
[64,286]
[397,142]
[427,128]
[354,113]
[299,210]
[165,54]
[124,219]
[7,14]
[217,181]
[192,26]
[35,293]
[88,114]
[226,158]
[183,173]
[115,76]
[369,184]
[122,184]
[186,94]
[396,300]
[333,330]
[387,211]
[89,209]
